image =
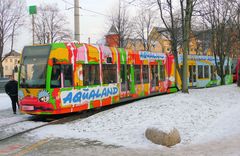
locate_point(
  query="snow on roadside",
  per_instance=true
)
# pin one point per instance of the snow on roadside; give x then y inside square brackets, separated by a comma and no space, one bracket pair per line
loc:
[5,101]
[191,114]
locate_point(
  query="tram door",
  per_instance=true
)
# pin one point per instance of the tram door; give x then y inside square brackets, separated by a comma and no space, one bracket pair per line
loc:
[125,80]
[192,75]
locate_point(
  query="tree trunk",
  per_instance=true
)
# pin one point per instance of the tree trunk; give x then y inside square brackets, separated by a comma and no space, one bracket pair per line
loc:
[186,36]
[1,70]
[1,61]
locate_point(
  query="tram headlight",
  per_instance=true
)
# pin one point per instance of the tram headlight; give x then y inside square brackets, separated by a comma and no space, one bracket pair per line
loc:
[43,96]
[20,95]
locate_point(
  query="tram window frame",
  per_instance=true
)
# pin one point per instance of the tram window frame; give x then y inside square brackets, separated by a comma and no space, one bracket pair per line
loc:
[206,71]
[137,74]
[67,77]
[56,82]
[162,73]
[145,73]
[200,72]
[109,73]
[89,78]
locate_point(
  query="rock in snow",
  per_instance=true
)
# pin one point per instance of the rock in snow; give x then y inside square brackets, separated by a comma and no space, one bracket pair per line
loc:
[164,138]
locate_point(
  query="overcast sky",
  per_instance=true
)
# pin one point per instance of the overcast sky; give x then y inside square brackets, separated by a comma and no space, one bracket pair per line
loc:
[91,25]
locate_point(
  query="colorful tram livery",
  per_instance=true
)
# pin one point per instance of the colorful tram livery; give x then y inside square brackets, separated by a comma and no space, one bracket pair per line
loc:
[69,77]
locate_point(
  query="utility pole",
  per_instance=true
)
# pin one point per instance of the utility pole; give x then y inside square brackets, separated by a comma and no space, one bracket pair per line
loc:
[33,30]
[76,20]
[119,24]
[33,11]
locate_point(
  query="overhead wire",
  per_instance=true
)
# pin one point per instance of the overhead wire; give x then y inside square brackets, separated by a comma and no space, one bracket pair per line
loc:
[95,12]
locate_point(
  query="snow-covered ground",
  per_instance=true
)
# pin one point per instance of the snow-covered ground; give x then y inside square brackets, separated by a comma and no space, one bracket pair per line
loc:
[201,116]
[5,101]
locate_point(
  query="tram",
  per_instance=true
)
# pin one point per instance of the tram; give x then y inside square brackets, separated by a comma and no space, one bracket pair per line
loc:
[236,69]
[62,78]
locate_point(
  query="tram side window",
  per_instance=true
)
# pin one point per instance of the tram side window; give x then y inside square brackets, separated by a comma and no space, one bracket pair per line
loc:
[145,74]
[91,74]
[109,73]
[200,72]
[137,73]
[56,76]
[206,71]
[67,75]
[162,73]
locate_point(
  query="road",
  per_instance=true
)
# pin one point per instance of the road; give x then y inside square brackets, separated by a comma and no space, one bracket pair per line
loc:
[60,147]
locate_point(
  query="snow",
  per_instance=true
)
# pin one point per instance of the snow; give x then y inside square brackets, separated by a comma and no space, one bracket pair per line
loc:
[211,113]
[5,101]
[200,116]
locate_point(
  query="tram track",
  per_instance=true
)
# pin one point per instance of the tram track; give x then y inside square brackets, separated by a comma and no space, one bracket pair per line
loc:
[8,131]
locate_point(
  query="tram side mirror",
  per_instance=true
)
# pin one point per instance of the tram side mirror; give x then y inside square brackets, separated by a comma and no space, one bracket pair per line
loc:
[109,60]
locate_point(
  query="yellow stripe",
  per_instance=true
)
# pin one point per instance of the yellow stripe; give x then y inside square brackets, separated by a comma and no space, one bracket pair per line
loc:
[31,148]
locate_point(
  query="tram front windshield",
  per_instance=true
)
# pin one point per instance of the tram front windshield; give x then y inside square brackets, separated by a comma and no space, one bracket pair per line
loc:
[33,66]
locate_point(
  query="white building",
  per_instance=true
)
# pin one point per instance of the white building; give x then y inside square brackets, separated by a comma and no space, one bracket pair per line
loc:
[10,63]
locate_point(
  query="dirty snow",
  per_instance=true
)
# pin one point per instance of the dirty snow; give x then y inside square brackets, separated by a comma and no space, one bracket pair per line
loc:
[212,113]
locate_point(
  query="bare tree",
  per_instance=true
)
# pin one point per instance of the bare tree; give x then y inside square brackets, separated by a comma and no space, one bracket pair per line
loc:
[120,19]
[219,15]
[143,24]
[50,25]
[175,22]
[172,25]
[11,13]
[186,28]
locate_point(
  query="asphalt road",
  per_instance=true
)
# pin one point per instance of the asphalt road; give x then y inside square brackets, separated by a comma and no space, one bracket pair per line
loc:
[23,146]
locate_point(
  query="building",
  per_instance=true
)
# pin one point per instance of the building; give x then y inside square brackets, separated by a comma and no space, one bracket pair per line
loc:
[200,41]
[112,37]
[160,40]
[10,64]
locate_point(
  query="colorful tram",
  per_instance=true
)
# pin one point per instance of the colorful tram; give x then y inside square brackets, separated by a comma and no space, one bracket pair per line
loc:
[70,77]
[236,70]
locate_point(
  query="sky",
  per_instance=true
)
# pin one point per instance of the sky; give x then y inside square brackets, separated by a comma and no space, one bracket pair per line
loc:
[93,26]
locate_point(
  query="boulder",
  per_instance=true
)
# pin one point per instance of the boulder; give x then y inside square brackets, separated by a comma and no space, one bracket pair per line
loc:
[164,138]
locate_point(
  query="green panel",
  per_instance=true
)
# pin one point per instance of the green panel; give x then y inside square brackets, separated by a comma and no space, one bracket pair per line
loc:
[212,83]
[173,90]
[57,45]
[132,85]
[113,100]
[45,113]
[123,55]
[32,9]
[228,79]
[91,105]
[49,70]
